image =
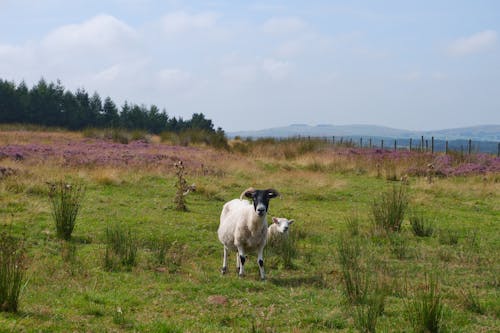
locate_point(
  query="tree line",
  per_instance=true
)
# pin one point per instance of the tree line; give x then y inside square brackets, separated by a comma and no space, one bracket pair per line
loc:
[50,104]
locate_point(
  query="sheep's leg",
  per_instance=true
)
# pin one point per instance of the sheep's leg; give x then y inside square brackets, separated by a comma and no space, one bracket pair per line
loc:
[224,262]
[260,261]
[238,263]
[242,259]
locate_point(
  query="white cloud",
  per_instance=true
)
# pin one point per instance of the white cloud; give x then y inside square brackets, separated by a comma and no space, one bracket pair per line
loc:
[283,25]
[103,31]
[180,21]
[240,73]
[476,43]
[173,78]
[276,69]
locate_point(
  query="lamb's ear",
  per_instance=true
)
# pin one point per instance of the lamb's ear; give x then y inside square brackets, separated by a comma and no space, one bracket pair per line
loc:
[272,193]
[291,221]
[249,192]
[275,219]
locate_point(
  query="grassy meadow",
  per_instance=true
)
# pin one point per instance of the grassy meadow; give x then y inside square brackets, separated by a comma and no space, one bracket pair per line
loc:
[173,282]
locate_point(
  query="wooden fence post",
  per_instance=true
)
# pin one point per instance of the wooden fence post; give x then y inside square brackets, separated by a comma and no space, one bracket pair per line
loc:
[426,146]
[432,145]
[382,144]
[361,142]
[498,150]
[333,140]
[410,143]
[446,148]
[370,142]
[422,144]
[470,146]
[395,145]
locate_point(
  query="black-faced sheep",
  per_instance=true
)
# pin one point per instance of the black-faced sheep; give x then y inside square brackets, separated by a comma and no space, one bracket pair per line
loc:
[243,227]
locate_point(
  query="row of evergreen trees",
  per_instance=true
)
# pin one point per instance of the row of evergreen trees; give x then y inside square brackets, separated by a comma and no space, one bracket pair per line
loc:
[50,104]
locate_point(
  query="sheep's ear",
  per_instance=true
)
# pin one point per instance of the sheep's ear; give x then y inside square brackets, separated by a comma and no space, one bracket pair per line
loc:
[275,219]
[291,221]
[272,193]
[249,192]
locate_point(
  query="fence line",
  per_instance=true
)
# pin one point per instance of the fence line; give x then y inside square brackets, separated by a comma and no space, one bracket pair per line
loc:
[436,145]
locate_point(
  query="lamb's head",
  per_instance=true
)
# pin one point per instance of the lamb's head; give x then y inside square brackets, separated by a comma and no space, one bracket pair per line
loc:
[260,199]
[282,224]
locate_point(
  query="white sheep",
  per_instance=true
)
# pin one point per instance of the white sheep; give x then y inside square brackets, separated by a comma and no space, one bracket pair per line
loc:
[243,227]
[278,228]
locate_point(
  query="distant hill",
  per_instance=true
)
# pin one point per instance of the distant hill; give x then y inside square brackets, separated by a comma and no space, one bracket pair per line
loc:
[476,133]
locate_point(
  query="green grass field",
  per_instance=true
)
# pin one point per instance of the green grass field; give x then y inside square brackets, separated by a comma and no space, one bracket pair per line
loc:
[68,289]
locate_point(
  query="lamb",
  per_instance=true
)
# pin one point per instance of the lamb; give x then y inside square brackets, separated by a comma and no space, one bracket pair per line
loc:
[243,227]
[278,228]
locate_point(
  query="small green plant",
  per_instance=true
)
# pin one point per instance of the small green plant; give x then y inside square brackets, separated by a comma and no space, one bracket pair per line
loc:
[354,276]
[399,246]
[66,200]
[182,187]
[388,211]
[12,268]
[448,237]
[421,226]
[426,310]
[159,246]
[121,248]
[352,223]
[471,302]
[283,246]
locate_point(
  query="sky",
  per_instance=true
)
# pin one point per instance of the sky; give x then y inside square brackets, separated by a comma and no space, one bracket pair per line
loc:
[248,65]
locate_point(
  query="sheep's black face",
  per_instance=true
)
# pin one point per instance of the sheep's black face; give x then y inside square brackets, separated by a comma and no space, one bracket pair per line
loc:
[260,199]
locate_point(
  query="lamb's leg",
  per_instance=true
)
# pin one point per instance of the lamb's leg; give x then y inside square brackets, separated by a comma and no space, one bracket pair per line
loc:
[260,261]
[224,262]
[242,258]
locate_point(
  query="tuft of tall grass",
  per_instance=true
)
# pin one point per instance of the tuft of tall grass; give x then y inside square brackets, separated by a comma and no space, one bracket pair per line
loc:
[352,223]
[471,302]
[285,247]
[354,277]
[426,310]
[66,200]
[12,268]
[448,237]
[366,316]
[121,248]
[421,226]
[389,209]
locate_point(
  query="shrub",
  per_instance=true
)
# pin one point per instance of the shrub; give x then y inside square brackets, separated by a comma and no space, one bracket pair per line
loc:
[421,225]
[182,187]
[66,200]
[12,270]
[121,248]
[426,310]
[388,211]
[354,277]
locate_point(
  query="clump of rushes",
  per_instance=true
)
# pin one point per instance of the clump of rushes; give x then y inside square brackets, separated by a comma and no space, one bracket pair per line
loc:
[12,268]
[426,310]
[389,209]
[182,187]
[66,200]
[421,225]
[121,248]
[354,276]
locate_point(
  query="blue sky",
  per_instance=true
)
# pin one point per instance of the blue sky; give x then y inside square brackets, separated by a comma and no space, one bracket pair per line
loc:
[418,65]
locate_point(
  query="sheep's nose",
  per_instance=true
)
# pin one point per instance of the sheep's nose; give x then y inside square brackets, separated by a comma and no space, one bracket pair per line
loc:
[285,229]
[261,210]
